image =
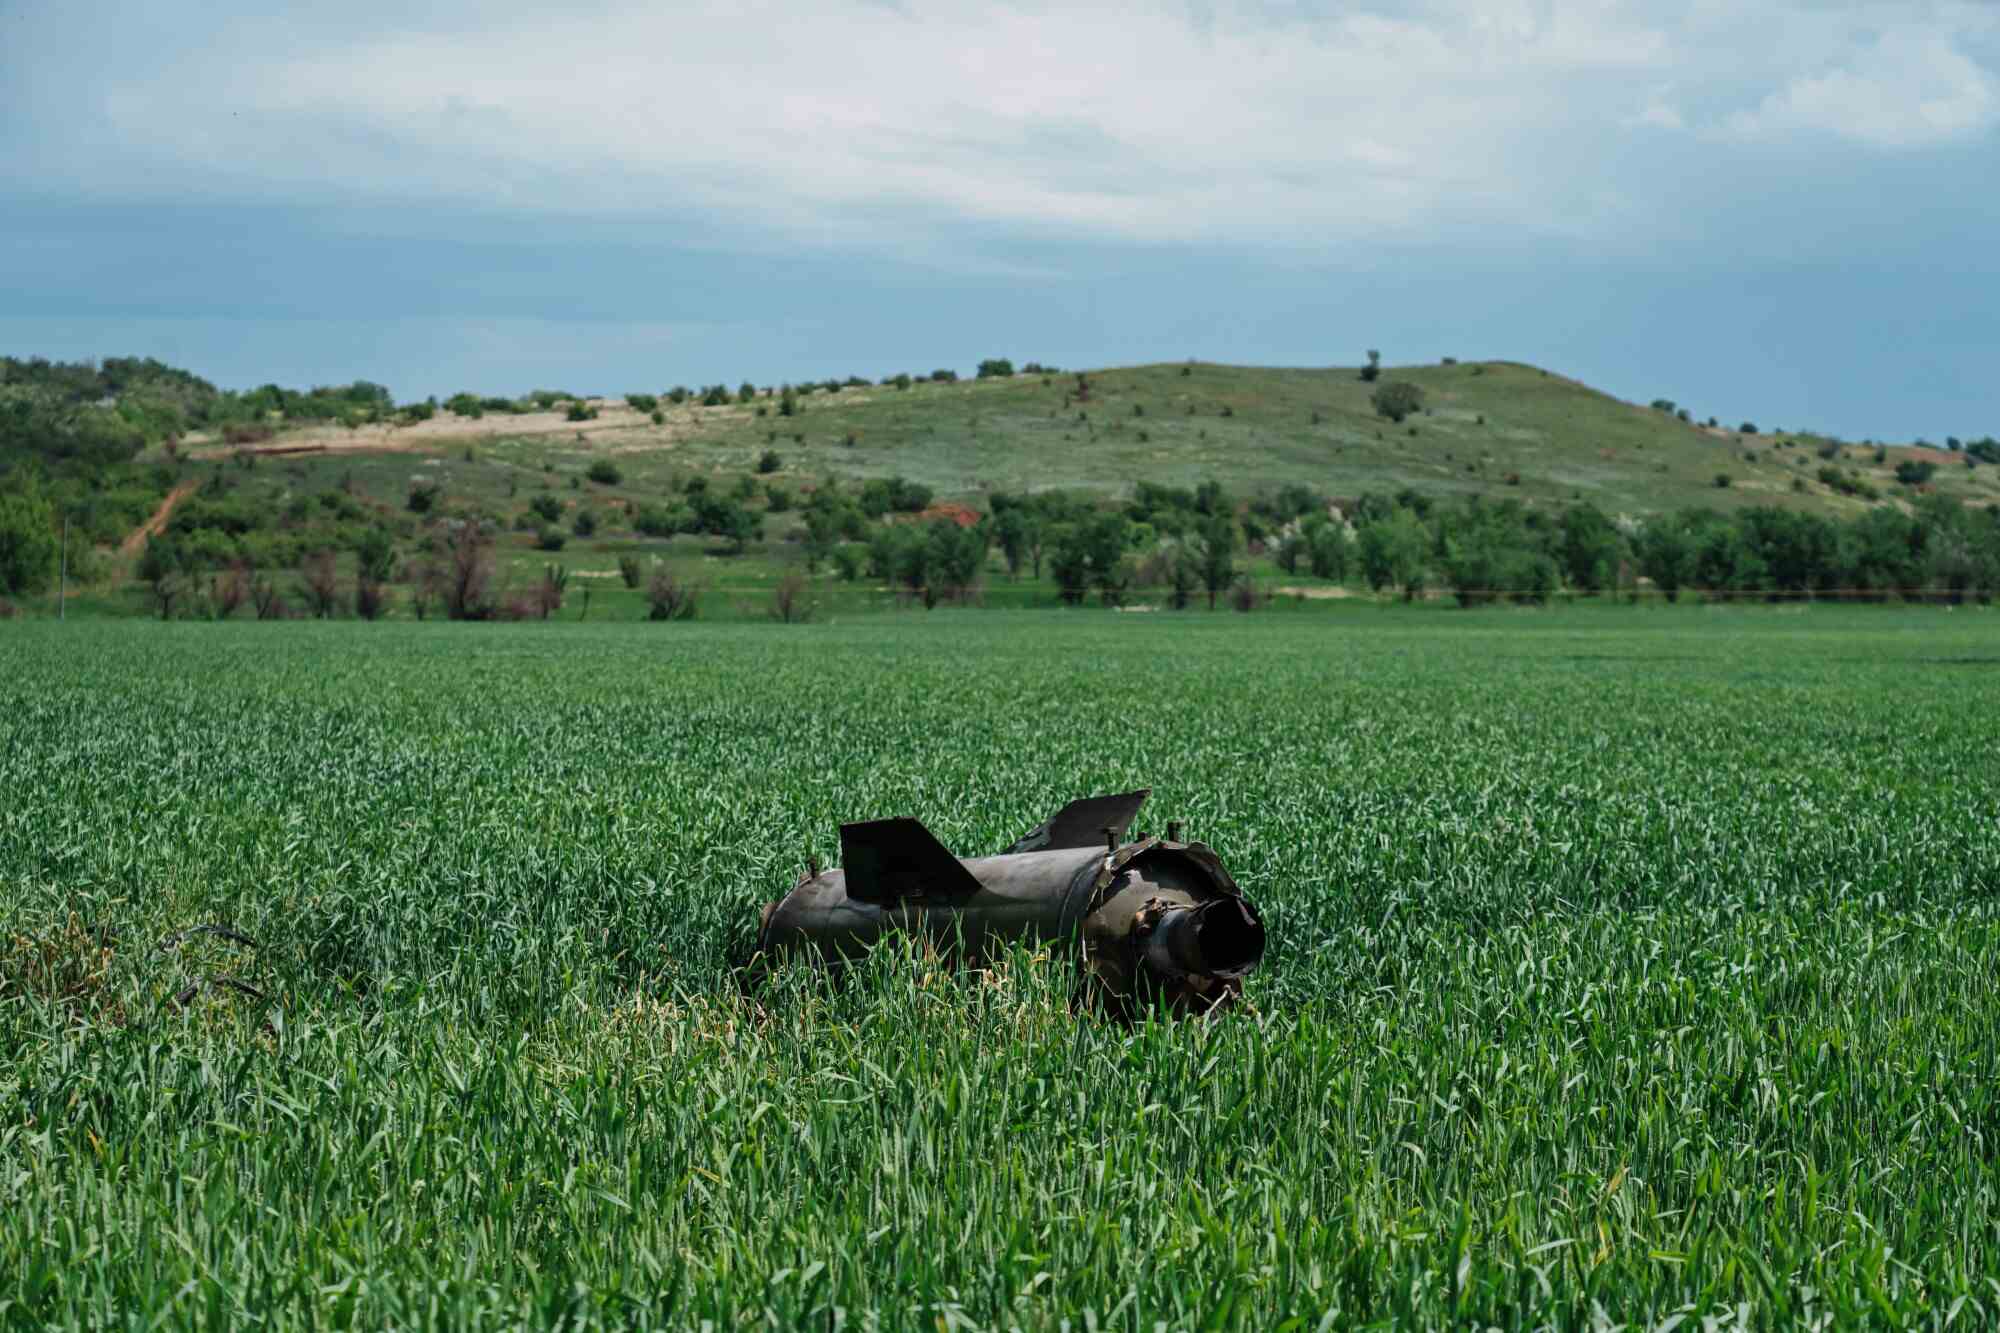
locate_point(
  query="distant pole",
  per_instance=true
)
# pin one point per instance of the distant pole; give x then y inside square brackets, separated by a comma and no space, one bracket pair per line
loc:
[62,574]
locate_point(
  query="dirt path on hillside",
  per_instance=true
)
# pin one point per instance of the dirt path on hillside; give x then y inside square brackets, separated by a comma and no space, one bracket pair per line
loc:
[157,524]
[628,432]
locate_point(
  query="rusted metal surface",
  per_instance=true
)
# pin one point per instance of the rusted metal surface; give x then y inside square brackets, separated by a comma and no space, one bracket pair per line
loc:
[1152,921]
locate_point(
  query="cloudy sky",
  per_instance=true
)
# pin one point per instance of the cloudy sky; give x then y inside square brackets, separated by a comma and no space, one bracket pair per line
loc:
[1783,211]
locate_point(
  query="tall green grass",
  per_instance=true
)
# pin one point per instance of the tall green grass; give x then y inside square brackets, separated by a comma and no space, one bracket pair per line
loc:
[1622,968]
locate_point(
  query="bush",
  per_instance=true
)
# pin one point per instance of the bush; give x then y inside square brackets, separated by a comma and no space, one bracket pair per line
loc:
[551,539]
[1397,399]
[881,496]
[652,521]
[580,411]
[716,395]
[423,497]
[1723,481]
[642,402]
[770,462]
[1373,370]
[546,507]
[1913,472]
[998,367]
[28,554]
[585,524]
[791,599]
[659,418]
[944,377]
[777,499]
[318,579]
[1747,428]
[604,472]
[670,596]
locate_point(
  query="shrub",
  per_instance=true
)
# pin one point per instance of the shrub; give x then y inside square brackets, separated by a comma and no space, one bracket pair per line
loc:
[669,596]
[465,579]
[548,594]
[1913,472]
[944,376]
[371,599]
[546,507]
[1747,428]
[659,418]
[998,367]
[551,539]
[28,554]
[716,395]
[604,472]
[585,524]
[791,599]
[777,499]
[770,462]
[642,402]
[1723,481]
[1373,370]
[423,497]
[318,579]
[1397,399]
[652,521]
[580,411]
[1245,596]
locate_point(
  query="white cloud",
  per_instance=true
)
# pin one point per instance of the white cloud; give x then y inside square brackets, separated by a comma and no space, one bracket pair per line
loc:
[855,122]
[1905,90]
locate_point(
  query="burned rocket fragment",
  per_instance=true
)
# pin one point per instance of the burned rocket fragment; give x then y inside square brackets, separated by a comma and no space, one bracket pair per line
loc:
[1156,920]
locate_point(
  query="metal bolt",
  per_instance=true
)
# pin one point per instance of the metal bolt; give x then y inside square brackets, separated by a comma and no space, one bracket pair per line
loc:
[1173,830]
[1110,840]
[812,867]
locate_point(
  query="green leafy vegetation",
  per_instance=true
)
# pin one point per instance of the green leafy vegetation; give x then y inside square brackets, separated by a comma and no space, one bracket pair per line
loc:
[1578,999]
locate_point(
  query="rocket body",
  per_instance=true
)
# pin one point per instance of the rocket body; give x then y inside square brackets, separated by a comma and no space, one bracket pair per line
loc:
[1149,921]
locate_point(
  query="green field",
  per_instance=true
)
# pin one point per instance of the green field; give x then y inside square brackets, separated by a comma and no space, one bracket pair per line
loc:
[1626,964]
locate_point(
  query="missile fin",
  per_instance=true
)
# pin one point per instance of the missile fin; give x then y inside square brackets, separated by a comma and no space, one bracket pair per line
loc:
[888,860]
[1082,823]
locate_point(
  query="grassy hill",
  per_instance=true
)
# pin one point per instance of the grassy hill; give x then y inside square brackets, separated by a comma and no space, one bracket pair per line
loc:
[563,478]
[1490,427]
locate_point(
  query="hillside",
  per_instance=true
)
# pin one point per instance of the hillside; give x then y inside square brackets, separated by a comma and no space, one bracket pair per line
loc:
[1492,427]
[215,498]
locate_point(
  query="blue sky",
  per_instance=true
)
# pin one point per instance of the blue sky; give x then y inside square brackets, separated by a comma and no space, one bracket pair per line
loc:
[1783,212]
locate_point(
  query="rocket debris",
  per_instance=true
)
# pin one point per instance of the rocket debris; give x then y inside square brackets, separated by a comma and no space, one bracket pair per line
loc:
[1155,920]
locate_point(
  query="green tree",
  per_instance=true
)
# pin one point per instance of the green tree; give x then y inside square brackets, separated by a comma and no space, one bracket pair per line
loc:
[1327,549]
[28,546]
[1215,554]
[1373,369]
[1394,553]
[1591,548]
[1666,556]
[1397,399]
[163,567]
